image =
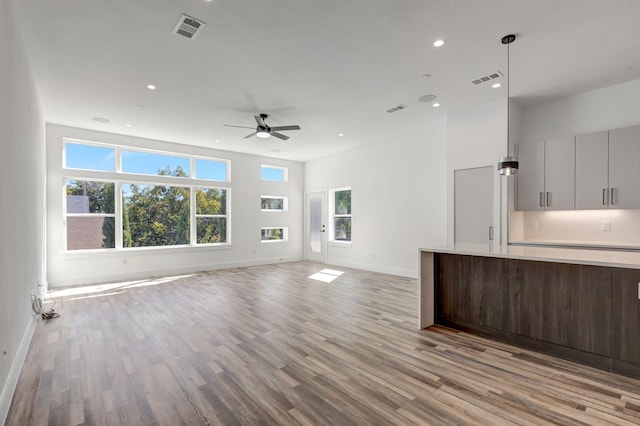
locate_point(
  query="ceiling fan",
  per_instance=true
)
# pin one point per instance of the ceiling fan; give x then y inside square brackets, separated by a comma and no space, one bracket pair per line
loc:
[264,131]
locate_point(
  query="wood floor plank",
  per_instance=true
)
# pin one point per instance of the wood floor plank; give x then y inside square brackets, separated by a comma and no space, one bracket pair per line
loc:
[268,345]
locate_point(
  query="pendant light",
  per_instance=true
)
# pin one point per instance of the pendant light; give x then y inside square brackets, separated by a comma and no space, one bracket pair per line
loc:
[508,165]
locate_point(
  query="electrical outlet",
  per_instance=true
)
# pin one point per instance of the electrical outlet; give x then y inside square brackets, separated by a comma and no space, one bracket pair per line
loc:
[605,225]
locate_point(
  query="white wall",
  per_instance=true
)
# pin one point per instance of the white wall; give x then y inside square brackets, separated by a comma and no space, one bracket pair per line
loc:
[477,137]
[21,202]
[71,268]
[603,109]
[398,199]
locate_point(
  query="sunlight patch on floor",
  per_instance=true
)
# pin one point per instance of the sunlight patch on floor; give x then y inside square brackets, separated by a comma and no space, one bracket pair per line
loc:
[326,275]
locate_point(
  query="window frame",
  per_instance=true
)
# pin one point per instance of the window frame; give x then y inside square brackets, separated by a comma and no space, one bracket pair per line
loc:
[333,215]
[67,215]
[285,234]
[120,178]
[285,203]
[285,173]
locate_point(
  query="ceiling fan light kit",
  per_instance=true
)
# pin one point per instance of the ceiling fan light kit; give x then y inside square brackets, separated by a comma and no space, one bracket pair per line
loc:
[263,131]
[508,165]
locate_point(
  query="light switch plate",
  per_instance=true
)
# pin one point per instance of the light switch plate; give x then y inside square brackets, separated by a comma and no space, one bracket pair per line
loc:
[605,225]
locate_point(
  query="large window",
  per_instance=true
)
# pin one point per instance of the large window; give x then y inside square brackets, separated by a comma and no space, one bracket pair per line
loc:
[341,215]
[117,209]
[154,215]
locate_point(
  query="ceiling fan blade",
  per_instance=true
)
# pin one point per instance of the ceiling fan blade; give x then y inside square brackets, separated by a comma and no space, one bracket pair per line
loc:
[251,135]
[279,135]
[260,121]
[242,127]
[296,127]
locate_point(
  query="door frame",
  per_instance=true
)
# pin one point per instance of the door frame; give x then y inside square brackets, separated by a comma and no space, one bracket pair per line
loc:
[307,223]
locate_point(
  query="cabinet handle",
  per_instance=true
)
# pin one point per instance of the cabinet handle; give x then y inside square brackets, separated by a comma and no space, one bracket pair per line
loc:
[542,199]
[548,199]
[604,196]
[491,233]
[614,196]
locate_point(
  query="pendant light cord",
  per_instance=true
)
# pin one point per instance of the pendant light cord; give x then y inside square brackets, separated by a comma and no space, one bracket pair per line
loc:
[508,102]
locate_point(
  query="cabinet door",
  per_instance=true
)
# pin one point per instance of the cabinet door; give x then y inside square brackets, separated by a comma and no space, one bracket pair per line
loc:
[472,289]
[624,167]
[569,305]
[592,171]
[559,173]
[626,315]
[531,176]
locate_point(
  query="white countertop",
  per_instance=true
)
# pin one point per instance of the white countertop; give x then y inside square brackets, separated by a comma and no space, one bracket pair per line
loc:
[618,259]
[579,244]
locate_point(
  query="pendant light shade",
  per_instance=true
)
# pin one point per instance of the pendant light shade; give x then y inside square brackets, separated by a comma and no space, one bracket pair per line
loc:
[508,165]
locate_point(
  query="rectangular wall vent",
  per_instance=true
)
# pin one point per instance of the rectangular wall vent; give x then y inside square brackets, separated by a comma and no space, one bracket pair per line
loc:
[188,27]
[396,108]
[489,77]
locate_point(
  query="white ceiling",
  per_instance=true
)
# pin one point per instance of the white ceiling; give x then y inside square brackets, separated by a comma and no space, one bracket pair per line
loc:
[331,66]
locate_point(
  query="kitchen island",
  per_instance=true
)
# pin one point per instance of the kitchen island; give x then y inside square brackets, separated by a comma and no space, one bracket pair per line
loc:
[580,305]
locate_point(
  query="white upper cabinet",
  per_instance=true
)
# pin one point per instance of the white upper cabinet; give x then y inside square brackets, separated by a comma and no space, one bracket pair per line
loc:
[624,168]
[592,171]
[531,176]
[598,170]
[559,173]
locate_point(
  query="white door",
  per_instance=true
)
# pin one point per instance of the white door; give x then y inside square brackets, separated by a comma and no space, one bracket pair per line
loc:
[592,171]
[315,225]
[473,205]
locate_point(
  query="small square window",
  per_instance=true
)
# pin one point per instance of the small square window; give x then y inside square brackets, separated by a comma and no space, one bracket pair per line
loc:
[273,234]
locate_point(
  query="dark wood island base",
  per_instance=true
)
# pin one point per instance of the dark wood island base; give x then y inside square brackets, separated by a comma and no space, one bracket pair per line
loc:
[576,309]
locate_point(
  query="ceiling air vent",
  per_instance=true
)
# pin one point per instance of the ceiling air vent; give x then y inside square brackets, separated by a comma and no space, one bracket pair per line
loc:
[489,77]
[188,27]
[396,108]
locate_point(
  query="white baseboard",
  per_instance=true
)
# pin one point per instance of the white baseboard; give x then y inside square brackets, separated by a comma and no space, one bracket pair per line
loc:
[16,368]
[401,272]
[143,274]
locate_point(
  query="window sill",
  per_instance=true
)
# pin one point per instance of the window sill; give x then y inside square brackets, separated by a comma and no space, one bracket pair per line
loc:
[142,251]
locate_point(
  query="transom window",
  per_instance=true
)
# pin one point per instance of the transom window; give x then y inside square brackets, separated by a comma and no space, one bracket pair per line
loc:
[274,173]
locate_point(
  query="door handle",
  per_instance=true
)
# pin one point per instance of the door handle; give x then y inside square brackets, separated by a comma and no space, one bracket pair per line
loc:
[604,196]
[491,233]
[614,196]
[542,199]
[548,198]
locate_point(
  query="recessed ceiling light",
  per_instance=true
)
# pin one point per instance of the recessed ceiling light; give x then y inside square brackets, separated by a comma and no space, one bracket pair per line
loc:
[101,119]
[496,85]
[129,125]
[217,140]
[438,43]
[340,134]
[427,98]
[436,105]
[286,153]
[151,87]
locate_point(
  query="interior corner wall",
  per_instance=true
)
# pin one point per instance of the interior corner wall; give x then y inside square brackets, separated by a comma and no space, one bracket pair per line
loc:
[398,199]
[65,268]
[22,200]
[477,137]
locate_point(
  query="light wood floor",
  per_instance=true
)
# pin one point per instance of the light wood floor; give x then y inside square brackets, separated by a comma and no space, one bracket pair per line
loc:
[266,345]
